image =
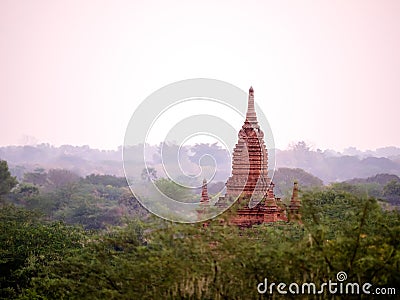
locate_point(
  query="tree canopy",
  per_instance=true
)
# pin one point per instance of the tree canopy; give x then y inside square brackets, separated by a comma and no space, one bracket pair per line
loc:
[156,259]
[7,182]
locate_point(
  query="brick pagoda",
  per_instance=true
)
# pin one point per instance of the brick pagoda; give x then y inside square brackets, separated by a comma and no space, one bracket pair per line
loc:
[249,183]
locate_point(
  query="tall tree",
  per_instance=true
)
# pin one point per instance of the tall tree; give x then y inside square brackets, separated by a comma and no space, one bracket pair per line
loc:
[7,182]
[149,174]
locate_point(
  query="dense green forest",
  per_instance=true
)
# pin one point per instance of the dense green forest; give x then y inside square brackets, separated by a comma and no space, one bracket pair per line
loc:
[67,237]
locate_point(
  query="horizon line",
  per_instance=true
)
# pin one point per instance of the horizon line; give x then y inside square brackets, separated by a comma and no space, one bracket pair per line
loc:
[311,147]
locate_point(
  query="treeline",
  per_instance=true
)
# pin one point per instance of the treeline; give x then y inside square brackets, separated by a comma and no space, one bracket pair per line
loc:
[385,187]
[94,201]
[329,166]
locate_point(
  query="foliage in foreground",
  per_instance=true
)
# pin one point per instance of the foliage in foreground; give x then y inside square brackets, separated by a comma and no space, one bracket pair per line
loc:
[28,244]
[340,232]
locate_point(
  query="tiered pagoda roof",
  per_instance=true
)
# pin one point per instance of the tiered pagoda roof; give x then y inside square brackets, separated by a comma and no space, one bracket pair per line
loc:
[249,182]
[250,158]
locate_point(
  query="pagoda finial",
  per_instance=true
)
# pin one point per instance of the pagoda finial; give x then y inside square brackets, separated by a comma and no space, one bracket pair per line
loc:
[251,112]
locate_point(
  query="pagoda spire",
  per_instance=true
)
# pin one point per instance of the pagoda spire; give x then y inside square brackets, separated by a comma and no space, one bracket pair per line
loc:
[204,203]
[251,112]
[294,206]
[249,160]
[270,199]
[204,193]
[295,194]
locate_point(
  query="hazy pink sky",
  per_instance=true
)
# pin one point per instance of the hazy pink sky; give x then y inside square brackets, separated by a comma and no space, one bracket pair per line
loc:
[327,72]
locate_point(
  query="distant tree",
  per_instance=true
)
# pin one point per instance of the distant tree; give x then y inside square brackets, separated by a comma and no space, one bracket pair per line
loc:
[220,155]
[300,147]
[174,190]
[7,182]
[24,190]
[85,213]
[37,177]
[392,188]
[149,174]
[59,177]
[106,180]
[18,171]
